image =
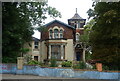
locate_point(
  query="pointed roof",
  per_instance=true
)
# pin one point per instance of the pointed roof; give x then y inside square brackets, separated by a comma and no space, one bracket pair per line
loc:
[69,26]
[76,16]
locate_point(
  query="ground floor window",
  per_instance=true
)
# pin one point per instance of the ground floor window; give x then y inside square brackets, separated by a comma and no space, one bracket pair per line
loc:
[55,51]
[36,58]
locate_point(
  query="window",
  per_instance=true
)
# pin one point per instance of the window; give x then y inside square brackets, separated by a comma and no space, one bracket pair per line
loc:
[55,51]
[36,58]
[36,45]
[77,37]
[61,33]
[79,25]
[56,34]
[50,34]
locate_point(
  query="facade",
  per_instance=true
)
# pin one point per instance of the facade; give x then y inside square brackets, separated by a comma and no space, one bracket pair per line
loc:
[59,40]
[34,47]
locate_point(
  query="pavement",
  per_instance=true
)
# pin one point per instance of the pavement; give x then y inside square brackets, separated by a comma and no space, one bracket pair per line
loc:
[12,77]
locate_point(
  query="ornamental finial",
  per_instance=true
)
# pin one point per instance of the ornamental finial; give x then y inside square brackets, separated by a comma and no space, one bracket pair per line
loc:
[76,10]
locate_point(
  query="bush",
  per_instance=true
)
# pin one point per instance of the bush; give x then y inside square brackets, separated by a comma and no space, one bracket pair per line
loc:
[76,66]
[80,65]
[67,64]
[9,59]
[53,62]
[33,62]
[104,67]
[94,67]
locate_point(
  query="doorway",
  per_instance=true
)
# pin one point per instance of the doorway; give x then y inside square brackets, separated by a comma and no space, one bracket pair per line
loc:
[78,56]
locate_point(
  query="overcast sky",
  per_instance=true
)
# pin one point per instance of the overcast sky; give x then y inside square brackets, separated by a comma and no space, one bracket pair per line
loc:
[68,9]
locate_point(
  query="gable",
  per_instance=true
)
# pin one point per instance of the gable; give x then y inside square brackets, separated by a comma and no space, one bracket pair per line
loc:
[59,22]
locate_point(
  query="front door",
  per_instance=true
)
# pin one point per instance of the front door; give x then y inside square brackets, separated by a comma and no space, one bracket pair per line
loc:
[78,56]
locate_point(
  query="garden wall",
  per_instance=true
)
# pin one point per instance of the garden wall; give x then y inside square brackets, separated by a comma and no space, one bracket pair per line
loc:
[57,72]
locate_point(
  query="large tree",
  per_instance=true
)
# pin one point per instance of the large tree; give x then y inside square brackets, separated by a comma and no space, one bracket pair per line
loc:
[18,20]
[105,34]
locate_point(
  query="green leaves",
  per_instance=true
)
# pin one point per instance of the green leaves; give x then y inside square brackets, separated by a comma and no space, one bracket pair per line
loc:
[53,12]
[18,21]
[105,36]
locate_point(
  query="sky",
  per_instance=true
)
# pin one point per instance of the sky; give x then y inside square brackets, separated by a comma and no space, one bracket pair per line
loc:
[67,8]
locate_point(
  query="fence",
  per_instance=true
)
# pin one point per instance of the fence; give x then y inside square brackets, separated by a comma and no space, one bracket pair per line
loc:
[57,72]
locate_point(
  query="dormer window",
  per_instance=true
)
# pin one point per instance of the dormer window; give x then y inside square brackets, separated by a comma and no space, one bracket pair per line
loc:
[56,33]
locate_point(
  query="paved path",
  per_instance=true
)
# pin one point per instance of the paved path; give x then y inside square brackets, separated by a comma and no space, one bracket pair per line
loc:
[12,76]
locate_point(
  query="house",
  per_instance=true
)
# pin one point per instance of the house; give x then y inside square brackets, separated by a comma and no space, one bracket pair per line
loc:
[34,49]
[59,40]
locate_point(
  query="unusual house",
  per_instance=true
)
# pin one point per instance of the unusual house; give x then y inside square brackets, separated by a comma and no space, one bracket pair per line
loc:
[61,41]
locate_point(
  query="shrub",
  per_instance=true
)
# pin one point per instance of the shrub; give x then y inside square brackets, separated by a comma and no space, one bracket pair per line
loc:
[104,67]
[94,67]
[76,66]
[67,64]
[80,65]
[53,62]
[33,62]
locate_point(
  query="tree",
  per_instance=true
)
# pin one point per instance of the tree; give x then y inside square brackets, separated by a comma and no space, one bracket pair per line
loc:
[84,38]
[105,34]
[18,20]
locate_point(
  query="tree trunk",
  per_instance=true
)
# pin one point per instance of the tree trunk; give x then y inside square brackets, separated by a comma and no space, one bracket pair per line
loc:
[84,55]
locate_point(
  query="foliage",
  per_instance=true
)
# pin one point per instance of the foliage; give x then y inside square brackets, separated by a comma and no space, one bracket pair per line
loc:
[24,51]
[18,20]
[27,57]
[34,62]
[53,62]
[105,34]
[9,59]
[80,65]
[88,55]
[94,67]
[104,67]
[66,64]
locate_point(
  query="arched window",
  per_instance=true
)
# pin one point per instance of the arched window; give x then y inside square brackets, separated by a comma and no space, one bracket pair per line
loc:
[77,37]
[50,34]
[56,33]
[61,33]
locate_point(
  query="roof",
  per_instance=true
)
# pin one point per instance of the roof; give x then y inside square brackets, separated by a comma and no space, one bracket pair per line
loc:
[35,39]
[76,16]
[59,23]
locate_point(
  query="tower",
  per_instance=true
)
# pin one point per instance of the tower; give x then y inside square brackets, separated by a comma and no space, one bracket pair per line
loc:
[77,22]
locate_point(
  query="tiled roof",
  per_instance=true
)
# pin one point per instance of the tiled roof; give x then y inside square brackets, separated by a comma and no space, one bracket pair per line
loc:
[76,16]
[60,23]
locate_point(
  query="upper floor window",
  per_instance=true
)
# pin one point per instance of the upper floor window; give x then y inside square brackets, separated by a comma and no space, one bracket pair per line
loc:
[61,33]
[79,25]
[50,34]
[36,45]
[56,33]
[77,37]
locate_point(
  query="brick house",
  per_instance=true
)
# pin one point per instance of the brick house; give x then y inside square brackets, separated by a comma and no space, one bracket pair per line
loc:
[61,40]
